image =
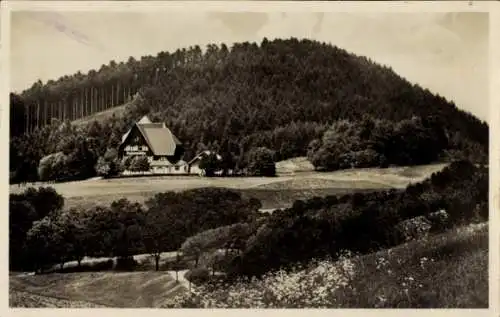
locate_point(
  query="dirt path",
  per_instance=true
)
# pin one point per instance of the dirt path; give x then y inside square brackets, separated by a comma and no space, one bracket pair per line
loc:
[181,277]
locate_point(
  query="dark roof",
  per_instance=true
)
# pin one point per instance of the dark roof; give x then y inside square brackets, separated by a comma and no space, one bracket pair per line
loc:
[159,138]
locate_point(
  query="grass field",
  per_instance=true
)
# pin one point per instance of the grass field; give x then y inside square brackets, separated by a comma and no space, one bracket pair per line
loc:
[112,289]
[296,180]
[20,299]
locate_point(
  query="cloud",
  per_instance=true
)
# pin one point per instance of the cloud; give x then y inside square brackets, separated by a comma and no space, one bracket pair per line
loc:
[59,23]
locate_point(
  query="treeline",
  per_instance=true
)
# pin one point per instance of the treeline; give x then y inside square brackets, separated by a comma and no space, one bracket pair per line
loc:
[371,143]
[58,152]
[221,231]
[42,234]
[281,94]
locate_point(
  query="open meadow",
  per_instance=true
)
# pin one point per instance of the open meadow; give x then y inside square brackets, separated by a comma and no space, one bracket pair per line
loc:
[296,180]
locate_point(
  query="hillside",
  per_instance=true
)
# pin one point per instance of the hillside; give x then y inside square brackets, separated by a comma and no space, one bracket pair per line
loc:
[448,270]
[281,94]
[129,290]
[102,116]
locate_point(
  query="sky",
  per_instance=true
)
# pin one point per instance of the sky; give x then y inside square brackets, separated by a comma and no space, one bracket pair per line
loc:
[444,52]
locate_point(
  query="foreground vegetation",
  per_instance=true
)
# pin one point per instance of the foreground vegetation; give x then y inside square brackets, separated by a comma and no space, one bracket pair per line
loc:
[221,237]
[447,270]
[281,95]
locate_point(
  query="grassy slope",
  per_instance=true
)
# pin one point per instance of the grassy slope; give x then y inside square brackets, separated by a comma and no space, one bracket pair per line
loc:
[101,116]
[449,270]
[28,300]
[296,181]
[128,289]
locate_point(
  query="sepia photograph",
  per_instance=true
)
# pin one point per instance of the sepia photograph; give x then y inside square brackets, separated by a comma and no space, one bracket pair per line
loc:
[211,158]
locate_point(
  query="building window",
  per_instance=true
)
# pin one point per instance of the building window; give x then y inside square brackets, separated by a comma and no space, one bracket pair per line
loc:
[177,168]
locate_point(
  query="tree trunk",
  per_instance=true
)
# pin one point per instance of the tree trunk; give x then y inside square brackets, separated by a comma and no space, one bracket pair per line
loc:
[157,262]
[176,275]
[38,114]
[79,262]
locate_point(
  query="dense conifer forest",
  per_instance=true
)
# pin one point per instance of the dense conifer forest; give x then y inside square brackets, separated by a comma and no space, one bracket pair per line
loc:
[284,95]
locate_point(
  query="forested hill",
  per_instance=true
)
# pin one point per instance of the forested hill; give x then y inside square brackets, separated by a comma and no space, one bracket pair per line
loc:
[281,94]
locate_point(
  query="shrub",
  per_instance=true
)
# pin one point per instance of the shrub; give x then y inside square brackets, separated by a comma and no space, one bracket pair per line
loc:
[439,221]
[211,164]
[140,164]
[261,162]
[125,163]
[197,275]
[102,167]
[412,229]
[126,264]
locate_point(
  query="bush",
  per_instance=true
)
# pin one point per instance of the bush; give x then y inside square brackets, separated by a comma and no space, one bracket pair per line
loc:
[126,264]
[439,221]
[413,229]
[211,164]
[261,162]
[198,275]
[108,164]
[125,163]
[139,164]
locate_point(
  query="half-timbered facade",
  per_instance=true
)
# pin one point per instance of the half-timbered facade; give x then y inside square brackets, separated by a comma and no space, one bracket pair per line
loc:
[155,141]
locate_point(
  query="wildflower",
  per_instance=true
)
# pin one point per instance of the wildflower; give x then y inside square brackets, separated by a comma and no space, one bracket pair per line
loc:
[423,261]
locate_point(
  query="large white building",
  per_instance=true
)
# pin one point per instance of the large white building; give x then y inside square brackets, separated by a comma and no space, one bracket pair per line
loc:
[162,148]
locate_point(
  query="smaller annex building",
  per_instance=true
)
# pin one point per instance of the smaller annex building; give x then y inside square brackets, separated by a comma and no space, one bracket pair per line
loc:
[162,148]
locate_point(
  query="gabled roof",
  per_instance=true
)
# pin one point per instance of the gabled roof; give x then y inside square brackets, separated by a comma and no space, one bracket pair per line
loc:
[159,138]
[144,119]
